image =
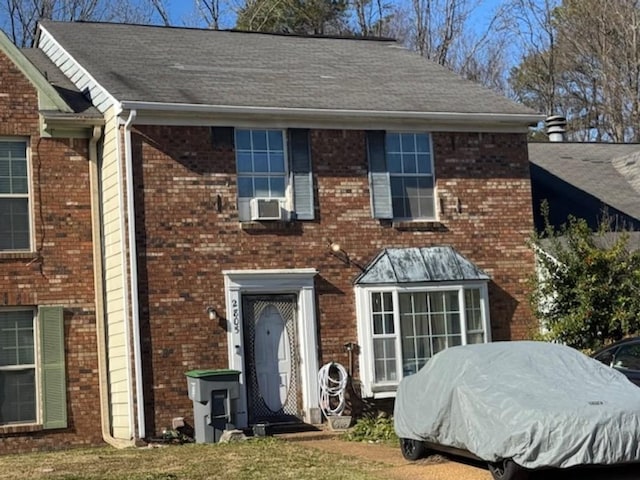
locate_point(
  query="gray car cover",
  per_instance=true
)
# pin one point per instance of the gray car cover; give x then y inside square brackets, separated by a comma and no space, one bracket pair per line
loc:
[540,404]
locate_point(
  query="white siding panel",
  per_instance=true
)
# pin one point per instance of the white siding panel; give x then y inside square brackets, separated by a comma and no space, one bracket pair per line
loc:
[120,409]
[45,43]
[121,433]
[120,375]
[77,78]
[100,98]
[57,56]
[73,70]
[120,351]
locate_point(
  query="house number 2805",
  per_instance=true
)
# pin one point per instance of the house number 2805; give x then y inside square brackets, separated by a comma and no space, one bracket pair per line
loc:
[236,316]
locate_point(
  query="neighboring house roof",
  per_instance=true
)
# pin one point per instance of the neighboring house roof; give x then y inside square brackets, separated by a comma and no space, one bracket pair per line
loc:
[412,265]
[71,95]
[605,240]
[184,66]
[607,171]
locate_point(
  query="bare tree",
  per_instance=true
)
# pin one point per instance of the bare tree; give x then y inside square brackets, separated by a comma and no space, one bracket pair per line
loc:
[437,25]
[531,23]
[583,60]
[446,32]
[600,40]
[373,17]
[161,10]
[210,11]
[22,16]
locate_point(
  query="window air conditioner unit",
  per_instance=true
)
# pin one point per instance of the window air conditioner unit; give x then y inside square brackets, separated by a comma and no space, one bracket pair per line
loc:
[265,209]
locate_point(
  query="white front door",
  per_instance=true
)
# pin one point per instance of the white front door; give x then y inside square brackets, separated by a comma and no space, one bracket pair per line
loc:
[272,358]
[270,353]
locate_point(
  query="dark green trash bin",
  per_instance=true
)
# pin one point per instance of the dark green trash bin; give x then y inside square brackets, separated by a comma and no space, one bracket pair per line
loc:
[214,394]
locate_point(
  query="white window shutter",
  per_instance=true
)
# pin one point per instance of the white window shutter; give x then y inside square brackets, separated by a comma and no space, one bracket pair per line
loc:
[379,182]
[301,173]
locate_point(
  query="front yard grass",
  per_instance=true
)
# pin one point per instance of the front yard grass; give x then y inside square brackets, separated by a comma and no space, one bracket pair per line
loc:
[255,459]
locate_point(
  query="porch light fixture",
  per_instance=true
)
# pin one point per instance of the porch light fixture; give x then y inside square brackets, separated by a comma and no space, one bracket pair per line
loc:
[337,251]
[213,315]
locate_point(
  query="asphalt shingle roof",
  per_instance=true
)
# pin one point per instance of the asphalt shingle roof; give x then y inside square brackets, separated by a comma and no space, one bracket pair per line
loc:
[65,88]
[607,171]
[208,67]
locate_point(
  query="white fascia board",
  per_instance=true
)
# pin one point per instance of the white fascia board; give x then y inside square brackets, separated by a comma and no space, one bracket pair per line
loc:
[85,73]
[176,113]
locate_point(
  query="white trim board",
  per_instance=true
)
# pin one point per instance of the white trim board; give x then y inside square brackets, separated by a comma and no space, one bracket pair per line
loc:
[299,281]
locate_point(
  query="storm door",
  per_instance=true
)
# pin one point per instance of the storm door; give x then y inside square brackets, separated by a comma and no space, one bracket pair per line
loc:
[271,364]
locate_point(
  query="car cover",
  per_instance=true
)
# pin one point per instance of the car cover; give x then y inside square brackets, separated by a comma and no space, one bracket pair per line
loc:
[540,404]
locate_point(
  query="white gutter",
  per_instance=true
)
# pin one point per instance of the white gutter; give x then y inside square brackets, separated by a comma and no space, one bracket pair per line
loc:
[98,272]
[458,117]
[133,267]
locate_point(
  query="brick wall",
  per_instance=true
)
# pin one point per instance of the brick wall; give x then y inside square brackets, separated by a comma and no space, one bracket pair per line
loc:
[188,232]
[62,273]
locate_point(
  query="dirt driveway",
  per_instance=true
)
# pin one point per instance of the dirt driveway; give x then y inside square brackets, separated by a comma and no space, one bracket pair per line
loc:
[438,467]
[433,468]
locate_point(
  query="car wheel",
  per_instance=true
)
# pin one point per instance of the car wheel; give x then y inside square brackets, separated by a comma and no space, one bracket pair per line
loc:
[412,449]
[507,469]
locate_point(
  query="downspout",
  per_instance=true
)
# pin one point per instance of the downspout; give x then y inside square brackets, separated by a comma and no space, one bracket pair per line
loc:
[133,271]
[98,275]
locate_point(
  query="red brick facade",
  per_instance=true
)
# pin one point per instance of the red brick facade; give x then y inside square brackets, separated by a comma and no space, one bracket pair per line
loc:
[188,233]
[60,270]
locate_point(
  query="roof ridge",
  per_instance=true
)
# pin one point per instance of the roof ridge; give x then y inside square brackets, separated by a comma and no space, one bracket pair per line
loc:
[231,30]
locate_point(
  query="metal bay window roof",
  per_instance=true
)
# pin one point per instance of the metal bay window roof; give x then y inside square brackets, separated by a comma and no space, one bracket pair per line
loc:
[419,265]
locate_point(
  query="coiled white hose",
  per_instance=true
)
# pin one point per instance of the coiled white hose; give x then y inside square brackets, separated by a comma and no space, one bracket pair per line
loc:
[332,388]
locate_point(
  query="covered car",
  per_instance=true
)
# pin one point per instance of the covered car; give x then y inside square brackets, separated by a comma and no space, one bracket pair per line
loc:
[520,406]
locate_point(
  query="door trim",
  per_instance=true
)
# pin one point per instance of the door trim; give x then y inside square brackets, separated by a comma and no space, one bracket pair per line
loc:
[298,281]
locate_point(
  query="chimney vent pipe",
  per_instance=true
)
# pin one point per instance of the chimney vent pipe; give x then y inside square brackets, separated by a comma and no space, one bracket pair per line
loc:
[556,126]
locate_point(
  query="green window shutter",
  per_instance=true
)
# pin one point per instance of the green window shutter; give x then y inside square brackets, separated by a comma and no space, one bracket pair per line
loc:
[301,173]
[53,385]
[379,182]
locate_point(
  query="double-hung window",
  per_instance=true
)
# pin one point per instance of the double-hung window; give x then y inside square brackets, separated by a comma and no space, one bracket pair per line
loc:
[17,367]
[401,174]
[14,196]
[403,327]
[260,156]
[274,174]
[32,367]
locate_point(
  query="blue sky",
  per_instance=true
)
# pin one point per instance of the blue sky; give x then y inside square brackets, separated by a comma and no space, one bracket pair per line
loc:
[183,12]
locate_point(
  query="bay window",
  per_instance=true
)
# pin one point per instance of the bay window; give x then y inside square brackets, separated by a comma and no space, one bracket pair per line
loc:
[402,327]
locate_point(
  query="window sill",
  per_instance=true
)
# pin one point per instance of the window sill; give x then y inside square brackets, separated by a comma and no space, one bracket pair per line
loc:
[384,390]
[21,428]
[19,255]
[271,226]
[418,225]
